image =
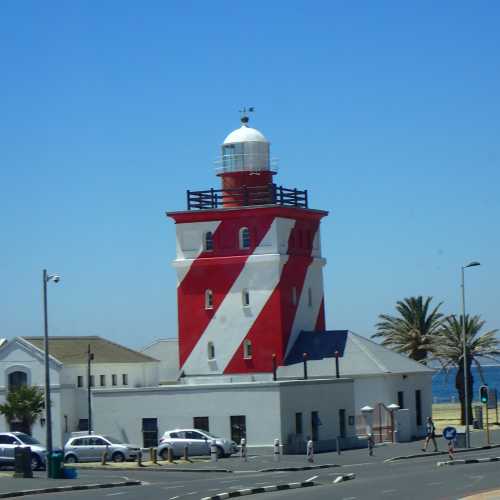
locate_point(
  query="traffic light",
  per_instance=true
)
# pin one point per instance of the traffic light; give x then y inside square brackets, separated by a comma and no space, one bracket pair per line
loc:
[483,394]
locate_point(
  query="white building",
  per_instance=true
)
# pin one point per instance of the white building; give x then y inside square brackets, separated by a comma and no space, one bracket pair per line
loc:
[22,362]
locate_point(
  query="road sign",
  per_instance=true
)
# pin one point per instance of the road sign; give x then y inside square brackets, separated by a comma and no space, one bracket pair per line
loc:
[449,433]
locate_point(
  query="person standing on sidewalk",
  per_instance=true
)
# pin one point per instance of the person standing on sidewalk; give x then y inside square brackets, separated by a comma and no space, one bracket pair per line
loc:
[430,434]
[371,444]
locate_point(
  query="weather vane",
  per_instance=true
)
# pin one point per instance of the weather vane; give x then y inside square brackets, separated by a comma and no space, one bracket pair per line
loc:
[244,113]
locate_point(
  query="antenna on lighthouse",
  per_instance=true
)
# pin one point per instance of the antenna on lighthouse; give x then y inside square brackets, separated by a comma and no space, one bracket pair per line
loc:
[244,114]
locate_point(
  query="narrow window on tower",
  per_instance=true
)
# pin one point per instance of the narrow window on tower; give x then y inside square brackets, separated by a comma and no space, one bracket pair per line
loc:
[245,297]
[209,299]
[208,241]
[294,296]
[309,297]
[210,351]
[247,349]
[244,238]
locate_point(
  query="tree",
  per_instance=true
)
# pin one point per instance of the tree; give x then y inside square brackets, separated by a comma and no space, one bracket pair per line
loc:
[449,350]
[413,331]
[24,404]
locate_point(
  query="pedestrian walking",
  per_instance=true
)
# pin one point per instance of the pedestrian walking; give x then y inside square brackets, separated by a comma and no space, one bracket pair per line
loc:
[310,450]
[371,444]
[430,429]
[451,449]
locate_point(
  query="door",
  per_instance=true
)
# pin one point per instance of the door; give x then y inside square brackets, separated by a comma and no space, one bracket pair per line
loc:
[197,444]
[97,448]
[149,432]
[81,449]
[5,441]
[10,442]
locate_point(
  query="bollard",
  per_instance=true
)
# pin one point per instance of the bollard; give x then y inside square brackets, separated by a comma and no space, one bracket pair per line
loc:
[22,462]
[310,451]
[243,449]
[276,450]
[170,457]
[154,455]
[104,456]
[186,454]
[213,451]
[139,459]
[338,445]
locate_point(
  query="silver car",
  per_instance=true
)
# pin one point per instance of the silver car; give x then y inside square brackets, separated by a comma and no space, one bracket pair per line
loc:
[90,448]
[197,441]
[11,440]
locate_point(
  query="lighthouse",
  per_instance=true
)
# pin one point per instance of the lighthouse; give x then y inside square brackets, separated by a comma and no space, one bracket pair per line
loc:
[248,263]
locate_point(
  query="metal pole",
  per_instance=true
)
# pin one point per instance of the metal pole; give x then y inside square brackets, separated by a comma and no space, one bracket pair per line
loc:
[466,378]
[337,371]
[487,424]
[90,356]
[48,413]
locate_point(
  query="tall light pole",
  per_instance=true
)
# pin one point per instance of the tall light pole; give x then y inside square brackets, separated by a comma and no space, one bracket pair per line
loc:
[464,339]
[48,412]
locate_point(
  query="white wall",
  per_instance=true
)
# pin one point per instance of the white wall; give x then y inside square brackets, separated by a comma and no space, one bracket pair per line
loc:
[167,351]
[269,408]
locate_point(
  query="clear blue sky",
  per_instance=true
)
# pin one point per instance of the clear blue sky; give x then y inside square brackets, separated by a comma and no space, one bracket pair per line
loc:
[388,113]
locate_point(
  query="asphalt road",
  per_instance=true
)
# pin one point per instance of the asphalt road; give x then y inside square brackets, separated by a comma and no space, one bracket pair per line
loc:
[408,479]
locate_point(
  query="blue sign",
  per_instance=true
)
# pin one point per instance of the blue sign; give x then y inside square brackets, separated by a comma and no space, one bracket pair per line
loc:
[449,433]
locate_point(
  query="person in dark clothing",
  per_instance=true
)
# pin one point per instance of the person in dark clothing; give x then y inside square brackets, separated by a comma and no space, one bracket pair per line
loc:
[430,434]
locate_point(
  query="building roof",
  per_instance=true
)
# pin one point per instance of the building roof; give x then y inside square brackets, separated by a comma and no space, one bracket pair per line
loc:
[73,350]
[358,356]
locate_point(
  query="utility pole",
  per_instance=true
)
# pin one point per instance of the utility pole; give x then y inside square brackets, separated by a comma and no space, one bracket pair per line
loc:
[90,357]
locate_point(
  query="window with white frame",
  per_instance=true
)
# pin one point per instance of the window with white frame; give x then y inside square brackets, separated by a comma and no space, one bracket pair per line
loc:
[244,238]
[294,295]
[209,299]
[245,297]
[210,351]
[247,349]
[208,241]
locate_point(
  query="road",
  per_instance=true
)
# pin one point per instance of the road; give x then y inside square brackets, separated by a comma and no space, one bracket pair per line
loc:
[407,479]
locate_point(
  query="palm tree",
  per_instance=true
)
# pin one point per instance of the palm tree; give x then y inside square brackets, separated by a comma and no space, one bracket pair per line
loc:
[413,331]
[449,350]
[23,405]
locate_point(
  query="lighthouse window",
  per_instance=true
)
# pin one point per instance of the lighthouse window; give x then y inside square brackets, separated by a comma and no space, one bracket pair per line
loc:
[309,297]
[245,296]
[244,238]
[209,299]
[294,296]
[247,349]
[208,241]
[211,351]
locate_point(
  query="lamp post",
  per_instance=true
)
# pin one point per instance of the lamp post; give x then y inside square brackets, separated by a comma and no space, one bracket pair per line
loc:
[464,339]
[48,413]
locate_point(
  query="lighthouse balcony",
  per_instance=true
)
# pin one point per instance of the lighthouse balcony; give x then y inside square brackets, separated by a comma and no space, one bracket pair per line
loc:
[269,194]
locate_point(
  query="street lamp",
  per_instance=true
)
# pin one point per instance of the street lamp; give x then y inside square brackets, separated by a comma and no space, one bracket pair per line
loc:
[464,338]
[48,416]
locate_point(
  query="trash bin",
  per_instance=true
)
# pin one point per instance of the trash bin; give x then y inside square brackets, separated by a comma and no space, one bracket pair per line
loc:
[55,465]
[460,440]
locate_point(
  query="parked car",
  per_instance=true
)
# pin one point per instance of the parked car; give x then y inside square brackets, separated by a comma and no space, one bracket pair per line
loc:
[11,440]
[90,448]
[197,441]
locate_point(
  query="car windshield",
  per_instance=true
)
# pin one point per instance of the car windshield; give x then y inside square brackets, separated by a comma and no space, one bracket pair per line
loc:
[113,440]
[27,439]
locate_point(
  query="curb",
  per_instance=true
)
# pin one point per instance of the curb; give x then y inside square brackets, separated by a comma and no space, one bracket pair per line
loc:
[344,477]
[263,489]
[76,487]
[144,469]
[295,469]
[469,461]
[438,453]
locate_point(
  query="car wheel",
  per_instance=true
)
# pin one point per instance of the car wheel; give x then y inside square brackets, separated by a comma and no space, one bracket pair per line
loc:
[36,463]
[220,452]
[71,459]
[164,454]
[118,456]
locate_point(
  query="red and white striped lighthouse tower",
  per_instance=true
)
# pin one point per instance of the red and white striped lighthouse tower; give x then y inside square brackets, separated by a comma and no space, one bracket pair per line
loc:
[248,264]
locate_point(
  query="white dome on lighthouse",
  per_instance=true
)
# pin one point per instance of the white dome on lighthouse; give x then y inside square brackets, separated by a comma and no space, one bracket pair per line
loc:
[245,134]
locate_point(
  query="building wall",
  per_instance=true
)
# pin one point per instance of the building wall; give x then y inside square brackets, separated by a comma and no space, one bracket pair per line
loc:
[167,351]
[120,412]
[370,390]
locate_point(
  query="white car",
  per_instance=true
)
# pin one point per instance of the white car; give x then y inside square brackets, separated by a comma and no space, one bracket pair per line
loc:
[9,441]
[197,441]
